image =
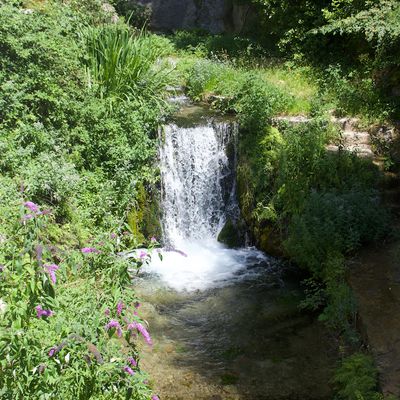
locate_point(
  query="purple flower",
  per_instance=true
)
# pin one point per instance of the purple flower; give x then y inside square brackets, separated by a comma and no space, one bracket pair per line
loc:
[129,370]
[113,324]
[40,312]
[153,239]
[52,351]
[113,236]
[32,206]
[51,270]
[39,253]
[139,327]
[142,255]
[107,312]
[155,397]
[87,250]
[132,362]
[120,307]
[44,212]
[27,217]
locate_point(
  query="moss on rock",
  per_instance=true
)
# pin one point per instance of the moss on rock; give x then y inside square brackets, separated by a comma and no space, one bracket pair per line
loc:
[144,218]
[230,234]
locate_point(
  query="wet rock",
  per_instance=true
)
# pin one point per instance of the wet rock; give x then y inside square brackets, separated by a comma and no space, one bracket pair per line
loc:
[230,235]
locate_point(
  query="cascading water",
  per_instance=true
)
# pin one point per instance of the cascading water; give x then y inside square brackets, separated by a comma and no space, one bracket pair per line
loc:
[198,182]
[198,196]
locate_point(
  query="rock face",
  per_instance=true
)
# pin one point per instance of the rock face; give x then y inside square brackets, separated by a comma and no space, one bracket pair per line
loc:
[215,16]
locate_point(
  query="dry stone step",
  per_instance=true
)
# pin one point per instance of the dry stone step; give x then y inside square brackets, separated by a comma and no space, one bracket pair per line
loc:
[356,137]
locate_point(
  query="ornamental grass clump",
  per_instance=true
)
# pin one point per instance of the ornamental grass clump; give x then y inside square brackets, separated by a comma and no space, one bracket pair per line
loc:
[124,64]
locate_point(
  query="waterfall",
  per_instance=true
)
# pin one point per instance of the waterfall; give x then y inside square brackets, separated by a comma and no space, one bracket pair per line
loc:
[198,176]
[198,181]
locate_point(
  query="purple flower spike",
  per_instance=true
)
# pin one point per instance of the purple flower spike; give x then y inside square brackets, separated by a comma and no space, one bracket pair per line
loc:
[140,328]
[32,206]
[120,307]
[155,397]
[129,370]
[107,312]
[132,362]
[113,236]
[40,312]
[87,250]
[51,270]
[153,239]
[142,255]
[113,324]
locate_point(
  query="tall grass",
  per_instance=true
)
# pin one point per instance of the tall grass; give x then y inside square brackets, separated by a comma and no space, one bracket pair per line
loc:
[125,64]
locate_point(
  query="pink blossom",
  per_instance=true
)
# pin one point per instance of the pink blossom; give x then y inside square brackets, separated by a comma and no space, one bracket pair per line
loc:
[87,250]
[113,324]
[40,312]
[155,397]
[132,362]
[32,206]
[113,236]
[52,351]
[44,212]
[51,270]
[142,254]
[120,307]
[26,217]
[153,239]
[140,328]
[129,370]
[107,312]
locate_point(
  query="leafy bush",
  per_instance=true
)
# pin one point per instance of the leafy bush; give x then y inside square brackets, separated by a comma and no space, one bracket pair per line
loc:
[253,99]
[356,378]
[59,329]
[65,148]
[334,223]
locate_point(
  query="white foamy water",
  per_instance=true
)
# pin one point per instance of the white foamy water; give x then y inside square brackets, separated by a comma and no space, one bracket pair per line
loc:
[198,196]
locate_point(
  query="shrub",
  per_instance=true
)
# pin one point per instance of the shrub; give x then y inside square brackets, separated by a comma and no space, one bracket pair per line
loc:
[253,99]
[334,223]
[356,378]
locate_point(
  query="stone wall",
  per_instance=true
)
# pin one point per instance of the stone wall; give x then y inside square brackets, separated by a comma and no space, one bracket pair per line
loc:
[215,16]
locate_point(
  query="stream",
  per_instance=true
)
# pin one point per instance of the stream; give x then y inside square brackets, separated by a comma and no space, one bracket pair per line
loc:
[225,322]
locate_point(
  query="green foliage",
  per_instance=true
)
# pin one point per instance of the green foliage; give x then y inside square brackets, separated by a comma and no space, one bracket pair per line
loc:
[333,223]
[323,205]
[64,350]
[123,64]
[246,93]
[65,148]
[356,378]
[137,14]
[203,44]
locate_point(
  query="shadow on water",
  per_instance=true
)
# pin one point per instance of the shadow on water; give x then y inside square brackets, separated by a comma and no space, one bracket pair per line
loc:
[246,340]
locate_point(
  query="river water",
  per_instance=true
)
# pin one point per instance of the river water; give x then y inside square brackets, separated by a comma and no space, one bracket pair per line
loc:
[225,322]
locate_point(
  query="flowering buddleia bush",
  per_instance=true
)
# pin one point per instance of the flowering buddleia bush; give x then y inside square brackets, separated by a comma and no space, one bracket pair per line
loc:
[69,327]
